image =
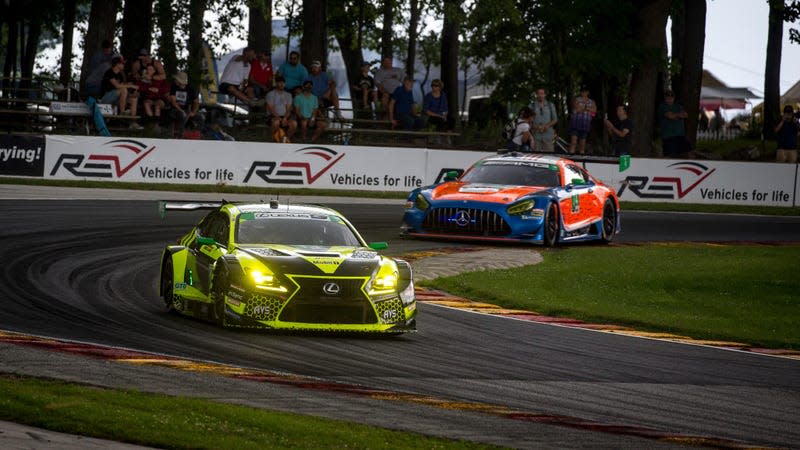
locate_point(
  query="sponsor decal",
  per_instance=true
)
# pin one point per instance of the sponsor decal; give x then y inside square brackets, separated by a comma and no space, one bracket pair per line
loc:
[389,315]
[180,286]
[307,166]
[116,158]
[576,203]
[682,179]
[22,155]
[261,309]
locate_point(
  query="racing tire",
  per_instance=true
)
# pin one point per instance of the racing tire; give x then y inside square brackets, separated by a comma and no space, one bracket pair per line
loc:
[609,223]
[167,286]
[219,288]
[551,226]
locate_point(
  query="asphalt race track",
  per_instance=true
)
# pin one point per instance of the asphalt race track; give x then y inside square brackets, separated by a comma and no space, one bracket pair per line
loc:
[87,270]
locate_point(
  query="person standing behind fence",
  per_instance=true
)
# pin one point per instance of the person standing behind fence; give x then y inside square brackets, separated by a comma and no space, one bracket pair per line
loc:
[673,131]
[544,122]
[786,135]
[620,130]
[522,140]
[583,110]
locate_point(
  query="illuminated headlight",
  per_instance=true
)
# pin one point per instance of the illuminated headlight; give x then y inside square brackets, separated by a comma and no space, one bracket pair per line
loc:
[384,282]
[265,281]
[520,208]
[407,294]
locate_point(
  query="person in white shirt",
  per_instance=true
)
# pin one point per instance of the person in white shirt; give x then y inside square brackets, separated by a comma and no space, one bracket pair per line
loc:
[234,78]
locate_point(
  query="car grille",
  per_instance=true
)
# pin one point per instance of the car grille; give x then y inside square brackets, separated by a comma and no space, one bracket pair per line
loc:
[312,305]
[465,221]
[390,311]
[262,307]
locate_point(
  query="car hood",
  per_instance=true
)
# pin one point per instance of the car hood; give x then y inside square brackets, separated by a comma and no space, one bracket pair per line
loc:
[315,259]
[493,193]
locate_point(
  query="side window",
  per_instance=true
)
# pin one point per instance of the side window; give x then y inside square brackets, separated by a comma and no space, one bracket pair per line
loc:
[215,226]
[574,174]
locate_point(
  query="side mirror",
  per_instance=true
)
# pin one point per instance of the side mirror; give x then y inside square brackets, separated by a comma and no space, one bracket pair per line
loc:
[378,245]
[201,240]
[577,181]
[451,176]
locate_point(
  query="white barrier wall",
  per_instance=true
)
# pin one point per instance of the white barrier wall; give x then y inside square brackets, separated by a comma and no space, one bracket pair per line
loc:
[143,160]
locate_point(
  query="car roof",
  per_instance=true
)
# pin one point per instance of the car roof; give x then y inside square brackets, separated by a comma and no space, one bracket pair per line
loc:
[528,157]
[281,207]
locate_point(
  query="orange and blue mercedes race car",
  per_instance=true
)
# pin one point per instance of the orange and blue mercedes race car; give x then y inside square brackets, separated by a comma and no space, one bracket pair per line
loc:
[515,197]
[271,265]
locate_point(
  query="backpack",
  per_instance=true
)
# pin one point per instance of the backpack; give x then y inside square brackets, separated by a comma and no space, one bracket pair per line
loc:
[509,130]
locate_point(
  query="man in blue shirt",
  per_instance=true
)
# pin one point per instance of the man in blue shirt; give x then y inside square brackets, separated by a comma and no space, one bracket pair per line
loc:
[294,72]
[402,110]
[324,88]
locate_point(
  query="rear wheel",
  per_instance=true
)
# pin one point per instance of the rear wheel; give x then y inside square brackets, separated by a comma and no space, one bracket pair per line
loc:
[218,291]
[551,226]
[609,221]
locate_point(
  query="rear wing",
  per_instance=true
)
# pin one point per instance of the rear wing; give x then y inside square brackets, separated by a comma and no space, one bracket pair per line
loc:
[185,205]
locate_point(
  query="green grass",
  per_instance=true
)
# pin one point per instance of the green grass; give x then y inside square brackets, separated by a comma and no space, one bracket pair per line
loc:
[747,294]
[176,422]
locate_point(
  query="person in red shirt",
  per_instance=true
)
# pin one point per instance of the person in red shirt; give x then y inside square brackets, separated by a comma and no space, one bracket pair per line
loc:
[154,89]
[261,74]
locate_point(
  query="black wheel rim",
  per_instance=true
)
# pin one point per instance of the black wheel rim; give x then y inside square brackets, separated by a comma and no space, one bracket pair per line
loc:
[609,220]
[552,224]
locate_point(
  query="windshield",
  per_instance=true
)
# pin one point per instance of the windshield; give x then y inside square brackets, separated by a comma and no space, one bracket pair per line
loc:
[294,229]
[513,174]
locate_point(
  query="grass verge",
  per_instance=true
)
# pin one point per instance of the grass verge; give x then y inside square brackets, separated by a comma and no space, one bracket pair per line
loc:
[176,422]
[746,294]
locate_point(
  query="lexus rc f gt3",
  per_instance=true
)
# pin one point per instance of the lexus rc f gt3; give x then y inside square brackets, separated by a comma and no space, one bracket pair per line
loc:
[281,266]
[516,197]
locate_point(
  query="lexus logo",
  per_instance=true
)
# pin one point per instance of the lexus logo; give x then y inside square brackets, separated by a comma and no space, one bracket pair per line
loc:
[331,288]
[461,218]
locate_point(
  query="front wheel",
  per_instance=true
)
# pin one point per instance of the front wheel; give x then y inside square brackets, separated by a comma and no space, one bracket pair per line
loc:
[609,221]
[218,293]
[168,286]
[551,226]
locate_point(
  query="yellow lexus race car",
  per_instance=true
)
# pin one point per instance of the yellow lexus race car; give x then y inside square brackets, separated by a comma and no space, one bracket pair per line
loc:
[280,266]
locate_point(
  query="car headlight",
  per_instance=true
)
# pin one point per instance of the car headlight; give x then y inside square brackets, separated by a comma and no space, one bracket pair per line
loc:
[384,280]
[265,280]
[520,208]
[420,203]
[407,294]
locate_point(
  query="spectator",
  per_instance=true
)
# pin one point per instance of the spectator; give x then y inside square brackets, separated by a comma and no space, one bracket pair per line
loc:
[154,91]
[137,66]
[261,74]
[522,141]
[324,88]
[544,122]
[620,130]
[434,105]
[234,77]
[98,65]
[184,103]
[388,79]
[294,72]
[402,110]
[786,135]
[583,110]
[364,87]
[306,106]
[279,107]
[116,90]
[673,131]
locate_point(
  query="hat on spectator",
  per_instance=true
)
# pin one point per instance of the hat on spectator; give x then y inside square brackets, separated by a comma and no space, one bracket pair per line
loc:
[181,78]
[308,82]
[144,52]
[316,64]
[584,88]
[117,59]
[788,108]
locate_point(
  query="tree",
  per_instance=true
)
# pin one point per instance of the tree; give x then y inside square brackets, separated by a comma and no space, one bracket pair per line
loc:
[137,27]
[772,70]
[65,75]
[260,25]
[415,9]
[102,24]
[387,49]
[196,26]
[452,24]
[165,20]
[314,43]
[652,20]
[688,39]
